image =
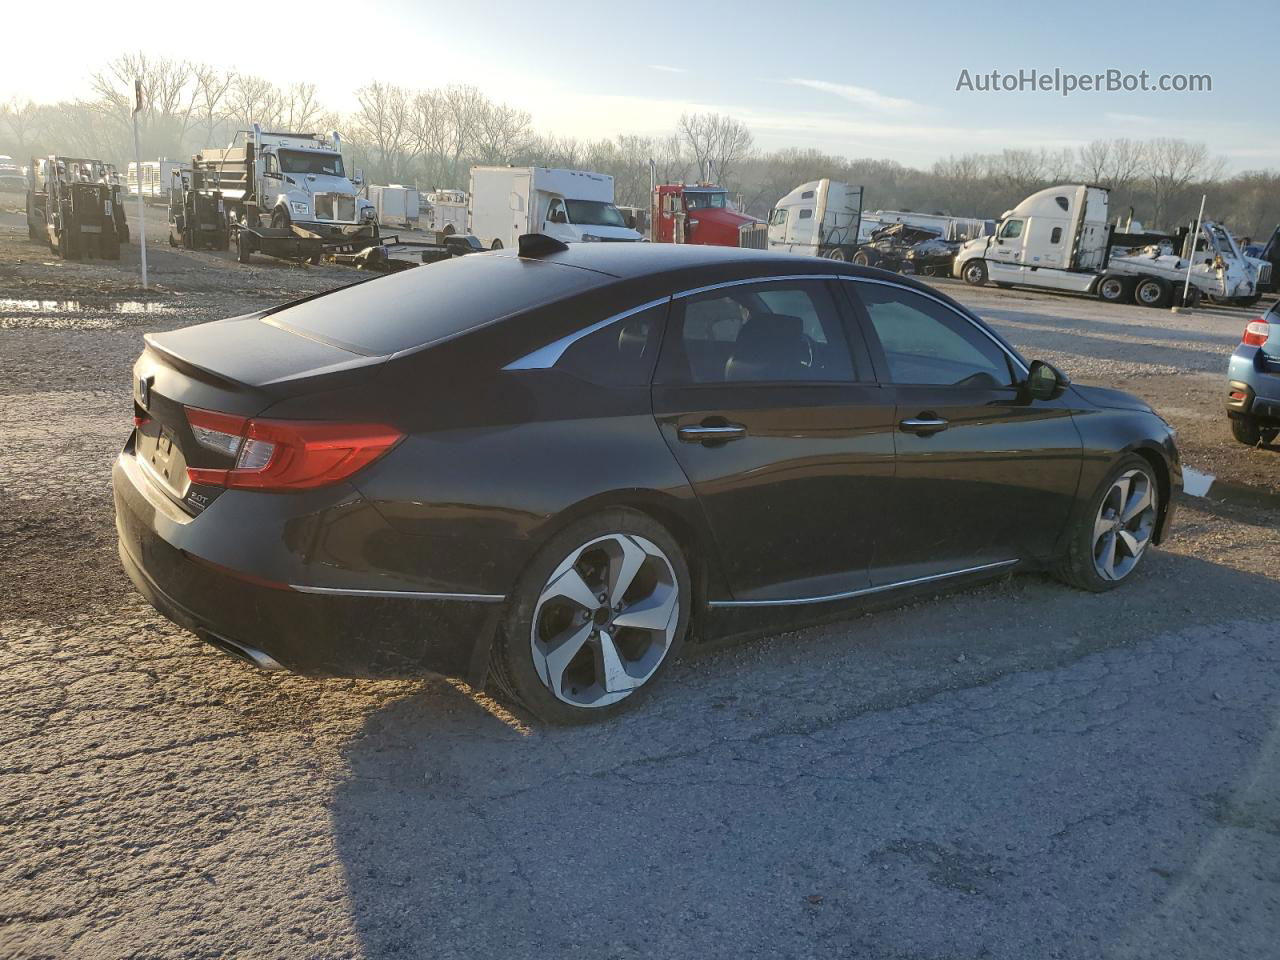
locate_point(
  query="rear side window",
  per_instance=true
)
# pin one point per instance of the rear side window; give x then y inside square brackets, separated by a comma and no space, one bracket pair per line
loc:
[414,308]
[783,332]
[619,355]
[927,343]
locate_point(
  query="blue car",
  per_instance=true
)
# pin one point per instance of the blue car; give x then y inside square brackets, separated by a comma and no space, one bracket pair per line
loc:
[1253,387]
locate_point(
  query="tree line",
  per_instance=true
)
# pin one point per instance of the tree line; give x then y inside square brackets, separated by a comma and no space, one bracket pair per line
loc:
[431,137]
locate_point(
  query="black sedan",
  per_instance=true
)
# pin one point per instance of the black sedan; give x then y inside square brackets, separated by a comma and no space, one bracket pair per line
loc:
[549,467]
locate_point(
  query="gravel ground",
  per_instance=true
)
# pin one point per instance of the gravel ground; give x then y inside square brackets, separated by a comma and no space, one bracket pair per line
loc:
[1008,772]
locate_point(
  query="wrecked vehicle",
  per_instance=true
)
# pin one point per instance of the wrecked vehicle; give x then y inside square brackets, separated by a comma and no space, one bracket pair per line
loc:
[72,205]
[903,248]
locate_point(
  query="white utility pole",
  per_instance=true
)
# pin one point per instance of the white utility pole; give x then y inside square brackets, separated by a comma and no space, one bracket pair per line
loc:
[137,169]
[1195,237]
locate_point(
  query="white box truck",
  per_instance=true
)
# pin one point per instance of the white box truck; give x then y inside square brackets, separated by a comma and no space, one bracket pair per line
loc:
[447,211]
[396,204]
[1059,238]
[571,205]
[820,218]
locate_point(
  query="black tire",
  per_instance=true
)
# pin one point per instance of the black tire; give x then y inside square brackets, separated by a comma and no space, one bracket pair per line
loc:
[280,219]
[497,245]
[836,254]
[864,258]
[448,230]
[512,662]
[1248,431]
[1115,290]
[1004,286]
[1076,567]
[123,231]
[1153,292]
[974,273]
[110,247]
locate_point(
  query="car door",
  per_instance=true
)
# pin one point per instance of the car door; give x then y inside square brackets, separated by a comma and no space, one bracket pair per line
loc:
[1004,254]
[772,411]
[984,474]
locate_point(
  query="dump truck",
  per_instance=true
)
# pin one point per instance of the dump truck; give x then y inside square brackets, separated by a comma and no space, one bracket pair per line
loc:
[1060,239]
[820,218]
[73,205]
[288,195]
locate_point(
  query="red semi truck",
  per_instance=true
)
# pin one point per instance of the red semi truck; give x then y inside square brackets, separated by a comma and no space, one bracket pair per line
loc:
[702,213]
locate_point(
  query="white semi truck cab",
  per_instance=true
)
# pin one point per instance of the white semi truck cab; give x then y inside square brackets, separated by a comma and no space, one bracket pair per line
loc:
[1059,238]
[571,205]
[292,178]
[820,218]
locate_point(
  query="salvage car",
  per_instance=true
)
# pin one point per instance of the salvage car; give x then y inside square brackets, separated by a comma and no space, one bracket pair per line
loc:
[548,467]
[1253,381]
[904,248]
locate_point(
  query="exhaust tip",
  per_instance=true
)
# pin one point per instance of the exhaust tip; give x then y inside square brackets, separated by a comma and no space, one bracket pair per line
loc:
[242,652]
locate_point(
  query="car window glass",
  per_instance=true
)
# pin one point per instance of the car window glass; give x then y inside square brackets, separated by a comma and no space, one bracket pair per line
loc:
[806,214]
[927,343]
[788,331]
[618,355]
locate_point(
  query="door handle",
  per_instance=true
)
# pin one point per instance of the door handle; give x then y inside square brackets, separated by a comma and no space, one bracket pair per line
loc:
[711,433]
[923,425]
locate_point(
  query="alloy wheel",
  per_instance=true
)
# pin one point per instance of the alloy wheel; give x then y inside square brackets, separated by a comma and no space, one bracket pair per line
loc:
[605,620]
[1124,524]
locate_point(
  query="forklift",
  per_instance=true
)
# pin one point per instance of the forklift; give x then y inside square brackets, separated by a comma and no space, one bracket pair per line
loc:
[197,219]
[72,206]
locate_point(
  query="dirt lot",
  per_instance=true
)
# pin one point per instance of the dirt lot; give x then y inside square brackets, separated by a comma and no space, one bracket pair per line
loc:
[1010,772]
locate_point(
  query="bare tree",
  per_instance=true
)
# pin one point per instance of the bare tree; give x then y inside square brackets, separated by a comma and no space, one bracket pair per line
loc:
[169,98]
[500,133]
[22,122]
[212,87]
[301,110]
[717,141]
[385,122]
[1170,165]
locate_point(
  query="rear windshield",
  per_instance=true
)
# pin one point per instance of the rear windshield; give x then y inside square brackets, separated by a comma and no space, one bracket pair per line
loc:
[413,308]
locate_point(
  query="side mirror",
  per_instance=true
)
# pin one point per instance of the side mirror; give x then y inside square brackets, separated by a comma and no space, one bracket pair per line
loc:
[1045,381]
[359,177]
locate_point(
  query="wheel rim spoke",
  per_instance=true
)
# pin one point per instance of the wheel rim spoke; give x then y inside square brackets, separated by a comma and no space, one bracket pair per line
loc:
[1108,558]
[1138,502]
[1130,542]
[652,613]
[613,675]
[570,586]
[561,655]
[623,573]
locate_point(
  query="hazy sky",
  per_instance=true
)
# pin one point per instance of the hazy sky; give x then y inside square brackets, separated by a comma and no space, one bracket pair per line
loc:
[858,79]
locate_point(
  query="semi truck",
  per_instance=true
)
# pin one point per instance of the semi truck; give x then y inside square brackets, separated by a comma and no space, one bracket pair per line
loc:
[572,206]
[820,218]
[296,183]
[1059,238]
[703,213]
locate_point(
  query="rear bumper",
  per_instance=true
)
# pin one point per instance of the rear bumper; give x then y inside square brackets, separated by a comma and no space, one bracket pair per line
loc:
[1252,373]
[334,633]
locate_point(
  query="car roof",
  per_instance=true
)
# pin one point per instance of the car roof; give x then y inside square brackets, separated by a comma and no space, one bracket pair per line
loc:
[630,260]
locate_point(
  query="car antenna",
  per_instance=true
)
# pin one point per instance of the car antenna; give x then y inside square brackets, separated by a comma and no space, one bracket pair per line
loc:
[539,245]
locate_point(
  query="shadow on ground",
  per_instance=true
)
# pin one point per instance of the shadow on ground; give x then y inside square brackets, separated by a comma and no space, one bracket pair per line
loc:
[1015,771]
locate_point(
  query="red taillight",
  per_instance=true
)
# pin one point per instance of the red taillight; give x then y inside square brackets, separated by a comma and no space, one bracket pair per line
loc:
[1256,333]
[286,454]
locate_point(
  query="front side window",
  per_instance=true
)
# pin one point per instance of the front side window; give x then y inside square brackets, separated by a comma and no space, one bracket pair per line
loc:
[925,342]
[778,217]
[555,212]
[783,332]
[1055,235]
[1011,229]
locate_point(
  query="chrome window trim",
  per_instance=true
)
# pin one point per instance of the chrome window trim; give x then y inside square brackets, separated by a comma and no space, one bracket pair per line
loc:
[748,280]
[865,591]
[546,357]
[399,594]
[959,313]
